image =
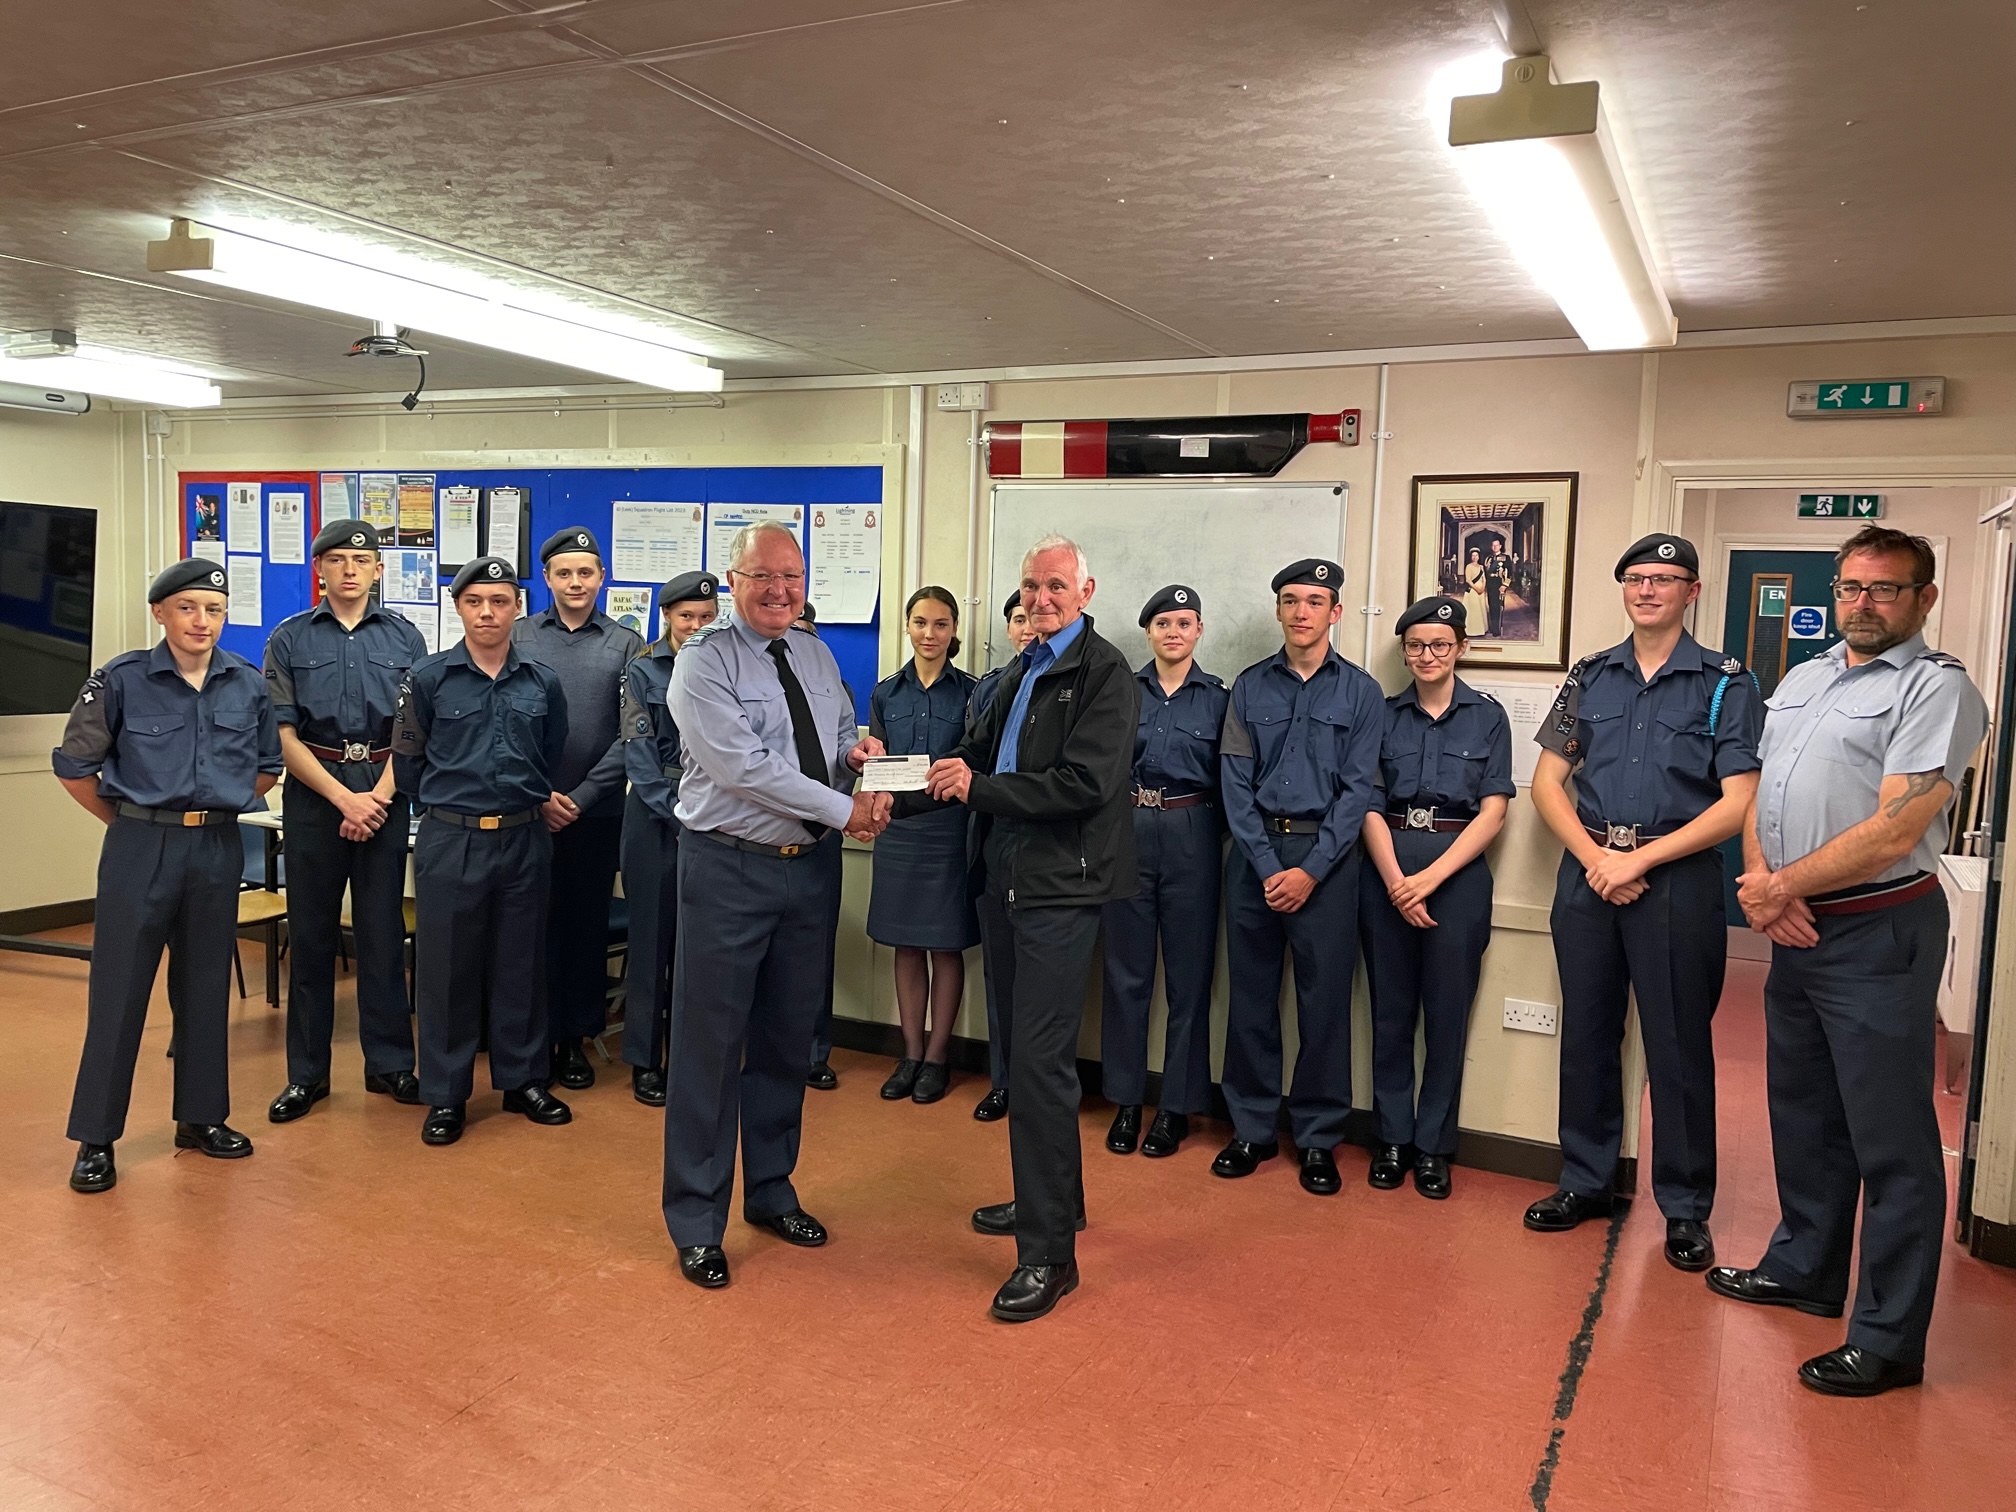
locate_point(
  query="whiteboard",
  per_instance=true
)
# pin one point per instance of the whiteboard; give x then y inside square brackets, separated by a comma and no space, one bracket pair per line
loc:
[1226,540]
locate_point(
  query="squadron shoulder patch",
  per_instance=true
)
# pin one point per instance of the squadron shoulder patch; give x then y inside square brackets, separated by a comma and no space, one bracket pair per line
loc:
[1572,749]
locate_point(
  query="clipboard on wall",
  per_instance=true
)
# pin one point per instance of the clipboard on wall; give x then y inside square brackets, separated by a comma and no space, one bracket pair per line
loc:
[507,521]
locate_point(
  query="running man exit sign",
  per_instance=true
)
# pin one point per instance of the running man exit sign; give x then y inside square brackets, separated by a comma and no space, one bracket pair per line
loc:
[1865,398]
[1840,506]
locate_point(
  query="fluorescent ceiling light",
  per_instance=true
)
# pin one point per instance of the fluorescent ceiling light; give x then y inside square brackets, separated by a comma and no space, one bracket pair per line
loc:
[1539,159]
[440,301]
[113,374]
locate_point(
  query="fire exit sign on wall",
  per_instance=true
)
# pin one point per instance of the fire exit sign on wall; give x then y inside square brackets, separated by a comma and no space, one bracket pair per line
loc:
[1866,398]
[1840,506]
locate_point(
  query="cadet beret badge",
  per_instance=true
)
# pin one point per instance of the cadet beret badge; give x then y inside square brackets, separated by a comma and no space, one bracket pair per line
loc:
[1666,551]
[1181,596]
[495,569]
[1322,572]
[1442,611]
[356,538]
[216,578]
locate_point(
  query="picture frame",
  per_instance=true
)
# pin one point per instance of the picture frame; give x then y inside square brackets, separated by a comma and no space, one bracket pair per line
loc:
[1502,544]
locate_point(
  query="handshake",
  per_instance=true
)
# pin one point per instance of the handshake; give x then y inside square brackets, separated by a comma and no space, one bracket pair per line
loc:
[870,816]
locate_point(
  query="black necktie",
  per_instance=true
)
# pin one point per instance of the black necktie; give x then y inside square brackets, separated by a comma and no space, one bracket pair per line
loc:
[812,759]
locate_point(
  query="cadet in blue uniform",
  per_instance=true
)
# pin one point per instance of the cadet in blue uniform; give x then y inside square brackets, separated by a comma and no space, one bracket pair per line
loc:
[769,739]
[918,903]
[994,1105]
[651,830]
[1300,757]
[168,747]
[1424,902]
[478,738]
[1660,735]
[1178,851]
[334,673]
[1863,750]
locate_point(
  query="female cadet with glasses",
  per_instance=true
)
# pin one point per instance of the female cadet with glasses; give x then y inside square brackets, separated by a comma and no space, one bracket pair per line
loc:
[1425,912]
[919,902]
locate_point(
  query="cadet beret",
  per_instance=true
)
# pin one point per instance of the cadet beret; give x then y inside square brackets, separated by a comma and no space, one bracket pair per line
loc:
[1434,610]
[689,585]
[1661,551]
[809,614]
[1175,596]
[345,535]
[1013,603]
[489,569]
[573,538]
[193,573]
[1312,570]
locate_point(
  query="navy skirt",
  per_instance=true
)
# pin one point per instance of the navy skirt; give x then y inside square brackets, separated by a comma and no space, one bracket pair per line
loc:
[918,898]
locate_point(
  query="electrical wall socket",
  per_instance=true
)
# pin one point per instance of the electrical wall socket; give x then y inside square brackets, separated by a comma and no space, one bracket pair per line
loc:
[1534,1018]
[962,396]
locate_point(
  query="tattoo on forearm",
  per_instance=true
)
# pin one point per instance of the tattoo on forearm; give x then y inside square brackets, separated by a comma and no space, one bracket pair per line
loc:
[1916,786]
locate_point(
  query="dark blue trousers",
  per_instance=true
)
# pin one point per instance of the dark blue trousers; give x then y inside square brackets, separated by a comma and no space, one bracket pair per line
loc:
[651,889]
[1322,937]
[829,857]
[995,948]
[585,856]
[1427,976]
[1848,1063]
[1669,948]
[1179,854]
[480,935]
[755,942]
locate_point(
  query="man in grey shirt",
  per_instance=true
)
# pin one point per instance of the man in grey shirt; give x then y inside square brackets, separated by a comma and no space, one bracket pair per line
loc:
[588,650]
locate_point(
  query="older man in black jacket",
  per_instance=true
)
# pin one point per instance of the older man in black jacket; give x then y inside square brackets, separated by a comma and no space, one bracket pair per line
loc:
[1048,769]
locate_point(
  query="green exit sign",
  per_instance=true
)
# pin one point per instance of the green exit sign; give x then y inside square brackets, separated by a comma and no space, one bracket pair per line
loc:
[1840,506]
[1869,398]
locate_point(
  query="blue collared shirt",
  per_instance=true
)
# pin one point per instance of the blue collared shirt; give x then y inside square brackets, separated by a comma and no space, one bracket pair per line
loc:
[1453,762]
[913,720]
[1036,657]
[983,693]
[472,744]
[650,738]
[590,663]
[336,685]
[1176,741]
[151,739]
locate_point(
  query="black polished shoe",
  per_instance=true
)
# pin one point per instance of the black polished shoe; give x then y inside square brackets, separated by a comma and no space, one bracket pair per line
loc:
[902,1081]
[403,1086]
[1431,1175]
[934,1080]
[1166,1135]
[1125,1135]
[992,1107]
[443,1125]
[218,1141]
[1755,1286]
[295,1100]
[821,1077]
[1239,1158]
[1388,1168]
[1319,1173]
[1688,1245]
[795,1227]
[647,1086]
[539,1105]
[1033,1291]
[704,1265]
[1852,1371]
[1563,1211]
[999,1219]
[94,1171]
[570,1065]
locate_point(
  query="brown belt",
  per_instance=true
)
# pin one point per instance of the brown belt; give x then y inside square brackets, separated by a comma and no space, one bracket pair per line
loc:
[1429,819]
[483,821]
[349,753]
[1158,798]
[1868,900]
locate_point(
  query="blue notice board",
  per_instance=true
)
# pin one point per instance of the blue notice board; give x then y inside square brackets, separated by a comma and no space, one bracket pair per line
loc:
[210,530]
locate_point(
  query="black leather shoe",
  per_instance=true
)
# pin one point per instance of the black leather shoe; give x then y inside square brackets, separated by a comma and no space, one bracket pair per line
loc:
[1125,1135]
[1755,1286]
[1431,1176]
[443,1125]
[218,1141]
[704,1265]
[1688,1245]
[94,1171]
[993,1106]
[934,1080]
[1166,1135]
[539,1105]
[1033,1290]
[295,1100]
[1563,1211]
[1319,1173]
[1388,1168]
[795,1227]
[902,1081]
[821,1077]
[570,1065]
[999,1219]
[403,1086]
[647,1086]
[1239,1158]
[1852,1371]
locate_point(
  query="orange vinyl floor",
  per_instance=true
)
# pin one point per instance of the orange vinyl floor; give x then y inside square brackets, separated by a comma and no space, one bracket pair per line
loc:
[350,1319]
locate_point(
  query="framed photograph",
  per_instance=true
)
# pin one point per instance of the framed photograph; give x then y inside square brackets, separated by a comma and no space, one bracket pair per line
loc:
[1504,545]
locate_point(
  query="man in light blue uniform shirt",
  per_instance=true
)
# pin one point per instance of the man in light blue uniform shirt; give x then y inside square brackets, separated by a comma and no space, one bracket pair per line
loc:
[768,740]
[1863,750]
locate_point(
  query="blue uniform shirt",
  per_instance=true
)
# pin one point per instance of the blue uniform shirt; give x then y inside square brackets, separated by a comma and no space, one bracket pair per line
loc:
[1036,657]
[1296,748]
[983,693]
[1176,742]
[472,744]
[650,738]
[1642,752]
[335,685]
[151,739]
[913,720]
[1449,763]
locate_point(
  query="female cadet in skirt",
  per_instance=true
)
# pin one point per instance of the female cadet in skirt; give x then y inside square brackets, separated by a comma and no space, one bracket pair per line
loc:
[919,902]
[1424,910]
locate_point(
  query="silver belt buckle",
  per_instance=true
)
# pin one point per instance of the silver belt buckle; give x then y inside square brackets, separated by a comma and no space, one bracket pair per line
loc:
[356,750]
[1421,818]
[1147,797]
[1623,837]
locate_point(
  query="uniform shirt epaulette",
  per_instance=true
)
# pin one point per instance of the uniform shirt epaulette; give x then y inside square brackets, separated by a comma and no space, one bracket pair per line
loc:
[1943,659]
[1574,678]
[704,633]
[1731,665]
[1486,696]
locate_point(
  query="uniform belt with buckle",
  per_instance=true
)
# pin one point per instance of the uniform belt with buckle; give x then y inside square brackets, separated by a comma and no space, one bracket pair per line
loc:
[1872,896]
[483,821]
[178,818]
[1276,825]
[1162,798]
[350,752]
[1620,837]
[1415,818]
[755,848]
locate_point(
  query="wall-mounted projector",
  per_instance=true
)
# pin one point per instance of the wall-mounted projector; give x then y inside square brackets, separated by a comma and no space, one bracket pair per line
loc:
[54,401]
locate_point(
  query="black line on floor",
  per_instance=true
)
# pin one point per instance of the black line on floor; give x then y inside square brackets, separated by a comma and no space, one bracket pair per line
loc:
[1578,1361]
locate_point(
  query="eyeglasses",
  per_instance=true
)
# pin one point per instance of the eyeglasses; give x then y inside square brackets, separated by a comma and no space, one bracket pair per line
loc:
[1661,580]
[763,580]
[1879,593]
[1440,650]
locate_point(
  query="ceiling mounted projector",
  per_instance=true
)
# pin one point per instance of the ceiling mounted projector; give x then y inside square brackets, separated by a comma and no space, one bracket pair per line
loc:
[387,340]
